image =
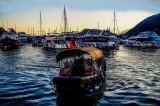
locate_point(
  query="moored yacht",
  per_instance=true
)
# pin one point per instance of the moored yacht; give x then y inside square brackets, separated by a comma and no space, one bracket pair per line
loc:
[55,41]
[147,39]
[10,39]
[23,36]
[99,40]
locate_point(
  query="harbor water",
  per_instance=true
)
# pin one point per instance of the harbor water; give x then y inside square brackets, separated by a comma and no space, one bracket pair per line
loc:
[132,77]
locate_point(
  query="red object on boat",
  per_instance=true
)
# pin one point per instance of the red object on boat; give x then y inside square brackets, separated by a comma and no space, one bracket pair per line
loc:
[72,44]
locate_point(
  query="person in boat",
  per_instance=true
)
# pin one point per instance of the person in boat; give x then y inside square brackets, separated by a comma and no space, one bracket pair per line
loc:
[66,70]
[89,67]
[85,60]
[78,67]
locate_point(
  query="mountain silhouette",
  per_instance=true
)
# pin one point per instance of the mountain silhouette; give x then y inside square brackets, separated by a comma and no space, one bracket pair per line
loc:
[151,23]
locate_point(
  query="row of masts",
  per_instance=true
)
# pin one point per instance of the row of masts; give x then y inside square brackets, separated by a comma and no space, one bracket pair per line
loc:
[64,17]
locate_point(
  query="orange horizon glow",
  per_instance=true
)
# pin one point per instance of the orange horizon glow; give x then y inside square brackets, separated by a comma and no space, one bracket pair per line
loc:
[52,19]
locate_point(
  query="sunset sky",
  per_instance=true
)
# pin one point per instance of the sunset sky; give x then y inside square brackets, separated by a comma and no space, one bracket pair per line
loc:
[80,13]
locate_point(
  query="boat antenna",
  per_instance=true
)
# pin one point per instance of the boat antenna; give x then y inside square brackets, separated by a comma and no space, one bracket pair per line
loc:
[70,29]
[48,30]
[7,24]
[33,31]
[114,21]
[38,33]
[40,24]
[65,20]
[98,25]
[117,27]
[77,28]
[15,26]
[28,30]
[3,24]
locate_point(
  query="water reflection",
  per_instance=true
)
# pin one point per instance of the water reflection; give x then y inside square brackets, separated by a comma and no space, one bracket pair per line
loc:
[133,78]
[75,100]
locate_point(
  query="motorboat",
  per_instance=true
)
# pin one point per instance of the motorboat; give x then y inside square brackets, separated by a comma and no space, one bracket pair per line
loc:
[147,39]
[97,41]
[82,71]
[100,41]
[10,39]
[23,36]
[38,40]
[54,42]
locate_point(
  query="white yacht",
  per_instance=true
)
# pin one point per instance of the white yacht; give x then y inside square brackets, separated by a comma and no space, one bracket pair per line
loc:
[23,36]
[55,42]
[99,41]
[148,39]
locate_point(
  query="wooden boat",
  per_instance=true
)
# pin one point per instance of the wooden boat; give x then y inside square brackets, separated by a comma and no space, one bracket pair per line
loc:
[82,71]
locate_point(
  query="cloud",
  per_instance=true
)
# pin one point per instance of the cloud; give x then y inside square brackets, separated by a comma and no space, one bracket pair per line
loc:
[121,5]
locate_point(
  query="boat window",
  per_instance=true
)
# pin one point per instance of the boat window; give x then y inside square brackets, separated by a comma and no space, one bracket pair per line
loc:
[131,43]
[60,42]
[132,39]
[22,33]
[68,64]
[48,41]
[89,67]
[65,66]
[68,38]
[23,36]
[146,42]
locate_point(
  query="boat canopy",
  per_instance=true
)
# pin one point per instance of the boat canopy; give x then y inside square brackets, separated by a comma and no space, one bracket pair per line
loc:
[94,52]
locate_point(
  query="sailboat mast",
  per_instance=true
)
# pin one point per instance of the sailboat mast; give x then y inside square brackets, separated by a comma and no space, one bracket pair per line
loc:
[40,24]
[114,21]
[77,28]
[15,26]
[28,30]
[48,30]
[65,20]
[98,25]
[3,24]
[33,31]
[7,24]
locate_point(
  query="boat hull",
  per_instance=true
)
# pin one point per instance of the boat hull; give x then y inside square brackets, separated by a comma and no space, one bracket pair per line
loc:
[77,85]
[10,43]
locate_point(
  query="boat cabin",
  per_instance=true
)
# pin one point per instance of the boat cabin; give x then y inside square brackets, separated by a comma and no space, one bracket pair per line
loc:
[80,62]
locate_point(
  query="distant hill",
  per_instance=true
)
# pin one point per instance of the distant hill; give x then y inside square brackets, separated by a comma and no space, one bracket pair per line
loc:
[123,32]
[151,23]
[85,31]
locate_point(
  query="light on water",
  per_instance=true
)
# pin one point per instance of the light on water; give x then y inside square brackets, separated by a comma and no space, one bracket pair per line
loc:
[133,77]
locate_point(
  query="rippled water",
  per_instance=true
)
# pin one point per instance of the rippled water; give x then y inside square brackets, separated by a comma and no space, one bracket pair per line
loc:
[133,77]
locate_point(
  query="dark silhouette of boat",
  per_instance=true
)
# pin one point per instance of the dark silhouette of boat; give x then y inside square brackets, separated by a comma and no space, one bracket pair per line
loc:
[82,72]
